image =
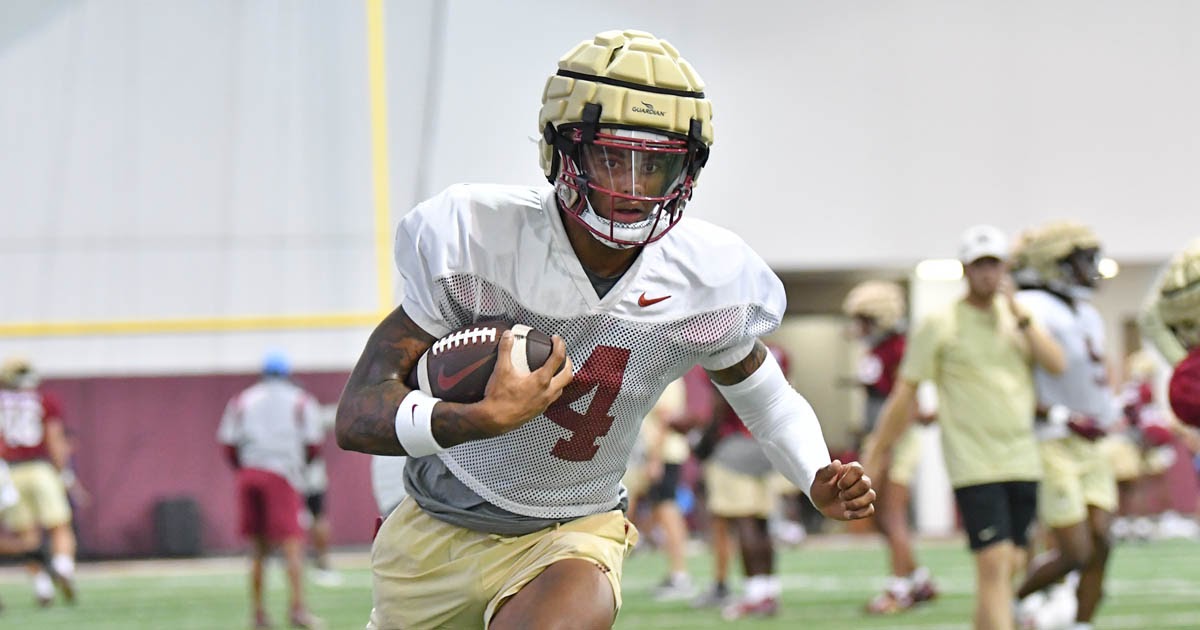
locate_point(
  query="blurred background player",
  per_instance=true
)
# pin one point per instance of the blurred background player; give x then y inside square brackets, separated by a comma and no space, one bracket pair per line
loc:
[316,484]
[654,473]
[271,430]
[742,491]
[1171,320]
[13,542]
[35,447]
[878,310]
[1056,267]
[980,351]
[1140,452]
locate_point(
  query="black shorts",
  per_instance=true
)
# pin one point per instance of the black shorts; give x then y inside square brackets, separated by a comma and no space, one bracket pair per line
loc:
[316,503]
[994,512]
[664,488]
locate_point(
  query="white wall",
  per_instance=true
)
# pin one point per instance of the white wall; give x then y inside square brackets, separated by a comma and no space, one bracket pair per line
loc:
[212,159]
[871,133]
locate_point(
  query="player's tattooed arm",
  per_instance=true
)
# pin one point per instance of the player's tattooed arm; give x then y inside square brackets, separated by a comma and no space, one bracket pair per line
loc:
[366,413]
[738,372]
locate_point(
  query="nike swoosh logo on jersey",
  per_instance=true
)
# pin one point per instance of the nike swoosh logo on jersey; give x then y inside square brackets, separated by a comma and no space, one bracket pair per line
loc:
[413,413]
[643,301]
[448,381]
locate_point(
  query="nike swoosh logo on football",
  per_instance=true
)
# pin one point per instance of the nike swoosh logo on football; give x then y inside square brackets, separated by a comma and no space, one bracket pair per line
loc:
[643,301]
[448,381]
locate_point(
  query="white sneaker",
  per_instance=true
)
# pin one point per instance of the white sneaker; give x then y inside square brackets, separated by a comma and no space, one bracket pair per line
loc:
[1173,525]
[327,578]
[1026,611]
[1059,611]
[787,532]
[674,588]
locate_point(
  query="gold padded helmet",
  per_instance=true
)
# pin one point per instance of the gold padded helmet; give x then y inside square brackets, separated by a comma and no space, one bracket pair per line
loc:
[881,301]
[630,95]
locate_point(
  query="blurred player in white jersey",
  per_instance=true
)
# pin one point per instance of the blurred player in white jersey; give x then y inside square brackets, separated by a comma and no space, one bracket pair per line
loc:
[1056,267]
[35,447]
[514,517]
[879,310]
[271,430]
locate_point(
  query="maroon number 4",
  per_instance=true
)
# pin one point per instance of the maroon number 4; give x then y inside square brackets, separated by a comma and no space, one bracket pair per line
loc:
[603,371]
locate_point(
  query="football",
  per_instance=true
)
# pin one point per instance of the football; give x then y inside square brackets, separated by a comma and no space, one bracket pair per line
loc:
[456,368]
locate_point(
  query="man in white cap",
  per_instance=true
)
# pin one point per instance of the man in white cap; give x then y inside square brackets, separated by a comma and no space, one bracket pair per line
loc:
[980,351]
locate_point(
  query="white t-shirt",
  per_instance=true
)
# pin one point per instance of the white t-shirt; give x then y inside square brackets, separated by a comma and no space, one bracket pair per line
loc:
[271,423]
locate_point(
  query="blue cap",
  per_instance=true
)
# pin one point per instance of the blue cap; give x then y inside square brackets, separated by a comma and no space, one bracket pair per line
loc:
[276,364]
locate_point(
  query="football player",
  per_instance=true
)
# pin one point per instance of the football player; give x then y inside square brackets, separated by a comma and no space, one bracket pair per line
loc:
[653,472]
[13,542]
[742,491]
[1140,452]
[878,311]
[980,351]
[1171,320]
[315,487]
[1056,267]
[35,446]
[514,516]
[271,431]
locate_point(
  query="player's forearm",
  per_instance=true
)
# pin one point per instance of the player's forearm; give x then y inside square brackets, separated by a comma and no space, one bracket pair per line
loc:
[366,413]
[56,446]
[1046,351]
[60,457]
[455,423]
[894,418]
[366,419]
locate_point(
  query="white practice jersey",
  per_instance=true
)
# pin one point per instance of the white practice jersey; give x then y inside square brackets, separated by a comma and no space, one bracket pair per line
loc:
[700,295]
[271,423]
[1083,387]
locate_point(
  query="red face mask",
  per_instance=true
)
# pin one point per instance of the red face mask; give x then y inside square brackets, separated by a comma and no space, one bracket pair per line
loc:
[1184,390]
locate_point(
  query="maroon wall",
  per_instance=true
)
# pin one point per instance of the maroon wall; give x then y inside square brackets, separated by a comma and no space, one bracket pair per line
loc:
[139,440]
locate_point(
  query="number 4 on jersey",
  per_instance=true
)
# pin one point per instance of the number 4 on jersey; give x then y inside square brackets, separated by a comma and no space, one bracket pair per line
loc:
[603,371]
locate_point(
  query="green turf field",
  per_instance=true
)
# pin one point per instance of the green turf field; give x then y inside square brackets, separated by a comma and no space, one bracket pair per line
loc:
[1152,586]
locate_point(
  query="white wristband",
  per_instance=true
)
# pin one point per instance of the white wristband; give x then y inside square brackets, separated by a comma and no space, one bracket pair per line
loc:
[1058,415]
[414,424]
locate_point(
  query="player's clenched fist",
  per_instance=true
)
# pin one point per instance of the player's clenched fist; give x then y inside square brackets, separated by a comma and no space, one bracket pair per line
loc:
[843,491]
